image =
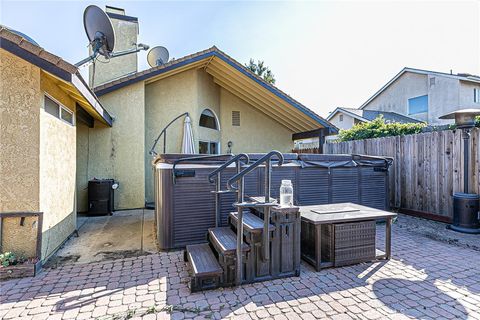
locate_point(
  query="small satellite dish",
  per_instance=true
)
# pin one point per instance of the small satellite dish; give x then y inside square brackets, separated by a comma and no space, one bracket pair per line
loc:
[23,35]
[99,30]
[157,56]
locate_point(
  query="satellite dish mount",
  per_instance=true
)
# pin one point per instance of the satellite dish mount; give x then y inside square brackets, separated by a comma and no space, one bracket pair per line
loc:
[101,35]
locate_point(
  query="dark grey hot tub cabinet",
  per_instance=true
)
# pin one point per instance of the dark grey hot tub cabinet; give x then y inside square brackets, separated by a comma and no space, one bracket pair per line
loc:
[185,206]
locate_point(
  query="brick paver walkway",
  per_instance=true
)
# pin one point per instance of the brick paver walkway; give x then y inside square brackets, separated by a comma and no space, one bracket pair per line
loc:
[426,279]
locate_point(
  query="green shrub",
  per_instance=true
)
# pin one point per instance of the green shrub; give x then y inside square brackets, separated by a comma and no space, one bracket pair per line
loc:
[9,259]
[379,128]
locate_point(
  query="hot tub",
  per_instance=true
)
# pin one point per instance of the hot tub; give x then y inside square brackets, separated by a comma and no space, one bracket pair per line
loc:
[185,204]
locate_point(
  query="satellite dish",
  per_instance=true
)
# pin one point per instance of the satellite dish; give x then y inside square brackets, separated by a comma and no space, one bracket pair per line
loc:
[157,56]
[99,30]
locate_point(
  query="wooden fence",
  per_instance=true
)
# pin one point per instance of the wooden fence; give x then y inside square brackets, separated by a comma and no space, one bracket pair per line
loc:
[427,169]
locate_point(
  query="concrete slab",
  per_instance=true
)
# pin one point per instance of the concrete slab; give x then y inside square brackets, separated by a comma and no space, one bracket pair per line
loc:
[124,234]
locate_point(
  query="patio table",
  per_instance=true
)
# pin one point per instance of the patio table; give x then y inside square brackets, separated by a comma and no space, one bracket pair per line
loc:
[314,217]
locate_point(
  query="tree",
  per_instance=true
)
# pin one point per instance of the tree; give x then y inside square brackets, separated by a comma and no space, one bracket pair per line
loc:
[261,70]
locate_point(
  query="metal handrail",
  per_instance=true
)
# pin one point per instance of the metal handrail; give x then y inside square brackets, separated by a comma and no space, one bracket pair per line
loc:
[239,178]
[226,164]
[164,133]
[217,172]
[250,168]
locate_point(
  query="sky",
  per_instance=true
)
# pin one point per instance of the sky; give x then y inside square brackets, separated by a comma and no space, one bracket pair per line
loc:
[325,54]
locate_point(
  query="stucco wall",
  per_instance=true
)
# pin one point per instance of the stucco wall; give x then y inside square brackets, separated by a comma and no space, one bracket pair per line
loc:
[466,95]
[19,134]
[125,35]
[57,171]
[347,122]
[117,152]
[256,133]
[19,150]
[395,97]
[82,167]
[445,94]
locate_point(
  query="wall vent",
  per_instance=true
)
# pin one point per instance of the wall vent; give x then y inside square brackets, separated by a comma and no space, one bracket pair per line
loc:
[236,118]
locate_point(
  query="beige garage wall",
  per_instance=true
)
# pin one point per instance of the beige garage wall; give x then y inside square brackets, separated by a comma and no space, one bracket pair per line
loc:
[57,171]
[19,139]
[116,152]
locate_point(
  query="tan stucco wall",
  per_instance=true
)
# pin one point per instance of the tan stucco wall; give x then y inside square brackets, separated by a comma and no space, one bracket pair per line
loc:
[57,172]
[117,152]
[164,100]
[19,134]
[193,91]
[257,132]
[82,167]
[126,33]
[19,150]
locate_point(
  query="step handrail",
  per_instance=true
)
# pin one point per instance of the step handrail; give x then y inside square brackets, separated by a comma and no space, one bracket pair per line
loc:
[217,172]
[240,179]
[226,164]
[250,168]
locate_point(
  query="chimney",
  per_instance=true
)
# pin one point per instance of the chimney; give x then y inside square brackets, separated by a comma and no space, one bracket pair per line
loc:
[126,32]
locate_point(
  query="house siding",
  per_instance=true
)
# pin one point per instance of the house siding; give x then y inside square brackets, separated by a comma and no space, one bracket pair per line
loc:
[116,152]
[20,140]
[347,123]
[57,171]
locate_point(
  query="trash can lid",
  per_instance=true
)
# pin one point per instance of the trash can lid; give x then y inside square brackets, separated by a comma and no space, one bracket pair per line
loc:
[462,195]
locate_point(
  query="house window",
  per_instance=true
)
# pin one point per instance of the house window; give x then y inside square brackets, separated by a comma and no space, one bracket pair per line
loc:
[418,105]
[58,111]
[476,95]
[340,117]
[208,120]
[208,147]
[236,118]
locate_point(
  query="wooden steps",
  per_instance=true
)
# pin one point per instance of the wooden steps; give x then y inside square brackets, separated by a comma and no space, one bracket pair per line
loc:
[207,272]
[251,222]
[225,240]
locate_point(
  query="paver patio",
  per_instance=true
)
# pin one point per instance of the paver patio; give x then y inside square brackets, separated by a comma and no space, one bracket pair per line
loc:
[426,279]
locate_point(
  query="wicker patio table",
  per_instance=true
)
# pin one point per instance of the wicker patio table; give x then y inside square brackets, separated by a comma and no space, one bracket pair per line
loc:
[342,234]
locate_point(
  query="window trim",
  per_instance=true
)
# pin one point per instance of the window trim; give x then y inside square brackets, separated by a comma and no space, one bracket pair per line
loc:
[340,117]
[214,115]
[60,108]
[208,142]
[476,95]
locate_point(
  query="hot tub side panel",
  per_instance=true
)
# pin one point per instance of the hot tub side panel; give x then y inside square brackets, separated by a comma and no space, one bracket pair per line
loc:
[193,208]
[163,185]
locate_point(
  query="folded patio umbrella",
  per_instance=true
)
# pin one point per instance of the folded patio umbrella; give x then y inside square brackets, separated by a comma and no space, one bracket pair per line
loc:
[188,145]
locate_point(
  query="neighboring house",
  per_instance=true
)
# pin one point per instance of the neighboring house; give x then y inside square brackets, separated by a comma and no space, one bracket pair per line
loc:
[345,118]
[426,95]
[42,100]
[232,110]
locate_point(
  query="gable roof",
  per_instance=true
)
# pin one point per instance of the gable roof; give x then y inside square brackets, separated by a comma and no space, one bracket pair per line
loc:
[237,79]
[459,76]
[369,115]
[68,76]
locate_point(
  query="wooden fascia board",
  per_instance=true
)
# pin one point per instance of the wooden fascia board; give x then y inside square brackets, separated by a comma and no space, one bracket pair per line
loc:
[251,85]
[261,109]
[220,74]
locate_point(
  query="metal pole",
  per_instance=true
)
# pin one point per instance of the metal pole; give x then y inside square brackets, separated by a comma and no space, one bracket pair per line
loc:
[266,211]
[240,185]
[466,156]
[217,200]
[165,142]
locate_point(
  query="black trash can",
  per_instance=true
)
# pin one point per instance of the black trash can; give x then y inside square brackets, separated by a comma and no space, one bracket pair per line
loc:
[100,196]
[466,216]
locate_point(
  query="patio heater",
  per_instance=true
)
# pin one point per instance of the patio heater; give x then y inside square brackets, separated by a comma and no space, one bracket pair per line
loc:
[466,206]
